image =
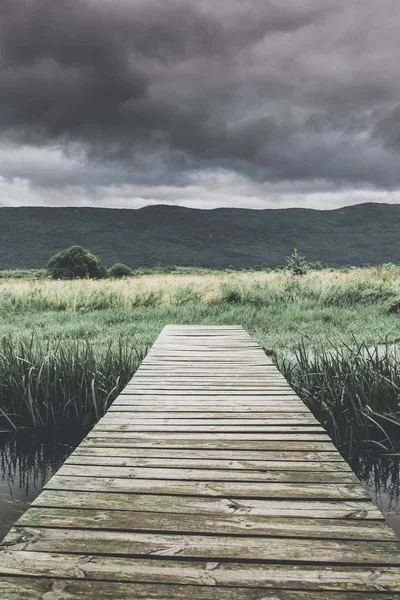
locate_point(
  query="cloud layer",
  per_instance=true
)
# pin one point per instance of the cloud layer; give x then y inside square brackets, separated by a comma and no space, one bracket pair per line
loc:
[294,98]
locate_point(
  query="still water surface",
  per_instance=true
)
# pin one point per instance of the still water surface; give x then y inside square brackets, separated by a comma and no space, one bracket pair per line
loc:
[27,463]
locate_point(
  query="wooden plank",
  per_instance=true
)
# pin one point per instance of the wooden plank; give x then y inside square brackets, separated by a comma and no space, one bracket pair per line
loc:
[228,379]
[209,387]
[120,426]
[207,524]
[89,449]
[188,474]
[278,424]
[224,574]
[202,418]
[210,547]
[348,509]
[254,401]
[264,436]
[238,489]
[207,401]
[234,409]
[260,466]
[233,394]
[132,421]
[109,441]
[29,588]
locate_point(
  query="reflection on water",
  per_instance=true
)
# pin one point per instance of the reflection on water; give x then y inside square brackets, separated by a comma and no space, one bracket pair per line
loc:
[27,463]
[381,477]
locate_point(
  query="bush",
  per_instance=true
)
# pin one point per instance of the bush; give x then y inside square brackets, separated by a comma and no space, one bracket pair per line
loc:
[76,263]
[120,270]
[296,263]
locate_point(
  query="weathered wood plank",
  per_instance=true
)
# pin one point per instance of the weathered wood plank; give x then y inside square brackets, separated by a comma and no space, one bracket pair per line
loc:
[200,396]
[113,425]
[188,474]
[108,441]
[229,380]
[237,489]
[209,403]
[233,418]
[317,509]
[293,408]
[49,588]
[207,524]
[264,436]
[142,570]
[89,449]
[209,387]
[186,410]
[260,466]
[210,547]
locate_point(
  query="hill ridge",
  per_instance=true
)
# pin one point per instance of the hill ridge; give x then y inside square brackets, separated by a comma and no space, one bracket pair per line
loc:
[220,237]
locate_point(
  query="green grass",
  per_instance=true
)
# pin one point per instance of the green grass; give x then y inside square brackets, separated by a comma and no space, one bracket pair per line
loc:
[58,384]
[354,391]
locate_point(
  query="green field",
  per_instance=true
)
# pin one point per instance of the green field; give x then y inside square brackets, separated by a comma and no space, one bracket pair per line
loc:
[277,309]
[67,347]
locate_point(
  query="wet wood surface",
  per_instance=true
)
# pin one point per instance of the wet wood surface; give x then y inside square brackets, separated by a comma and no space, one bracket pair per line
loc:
[207,478]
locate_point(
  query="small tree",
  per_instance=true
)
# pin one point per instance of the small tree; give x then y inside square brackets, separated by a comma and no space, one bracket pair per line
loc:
[296,263]
[76,263]
[120,270]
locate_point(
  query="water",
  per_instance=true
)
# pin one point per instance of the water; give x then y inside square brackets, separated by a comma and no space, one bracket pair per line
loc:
[381,477]
[27,463]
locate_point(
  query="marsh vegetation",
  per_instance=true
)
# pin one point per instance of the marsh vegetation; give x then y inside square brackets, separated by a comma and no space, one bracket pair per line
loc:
[67,347]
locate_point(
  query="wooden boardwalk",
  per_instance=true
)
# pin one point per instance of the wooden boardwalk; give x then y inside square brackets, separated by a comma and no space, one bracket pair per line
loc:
[208,478]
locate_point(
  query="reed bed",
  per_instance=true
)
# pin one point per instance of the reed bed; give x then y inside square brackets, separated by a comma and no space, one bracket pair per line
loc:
[354,391]
[325,288]
[54,384]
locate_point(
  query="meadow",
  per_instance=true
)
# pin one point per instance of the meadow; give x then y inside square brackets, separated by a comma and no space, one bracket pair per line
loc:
[68,347]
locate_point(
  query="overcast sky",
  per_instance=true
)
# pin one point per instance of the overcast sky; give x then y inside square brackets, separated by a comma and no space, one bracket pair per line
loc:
[204,103]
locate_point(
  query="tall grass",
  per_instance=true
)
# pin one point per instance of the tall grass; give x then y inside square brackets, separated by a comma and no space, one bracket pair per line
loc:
[66,383]
[354,391]
[362,287]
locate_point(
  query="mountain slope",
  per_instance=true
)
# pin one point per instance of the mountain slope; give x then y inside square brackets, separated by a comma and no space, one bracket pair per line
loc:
[168,235]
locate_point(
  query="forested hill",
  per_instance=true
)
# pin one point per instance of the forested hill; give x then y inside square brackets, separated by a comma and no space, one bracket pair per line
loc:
[167,235]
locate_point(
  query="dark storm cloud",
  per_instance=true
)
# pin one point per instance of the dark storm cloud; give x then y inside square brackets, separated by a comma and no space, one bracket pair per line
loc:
[300,90]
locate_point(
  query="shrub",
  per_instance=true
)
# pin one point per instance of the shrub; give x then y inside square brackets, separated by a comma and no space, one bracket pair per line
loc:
[120,270]
[296,263]
[76,263]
